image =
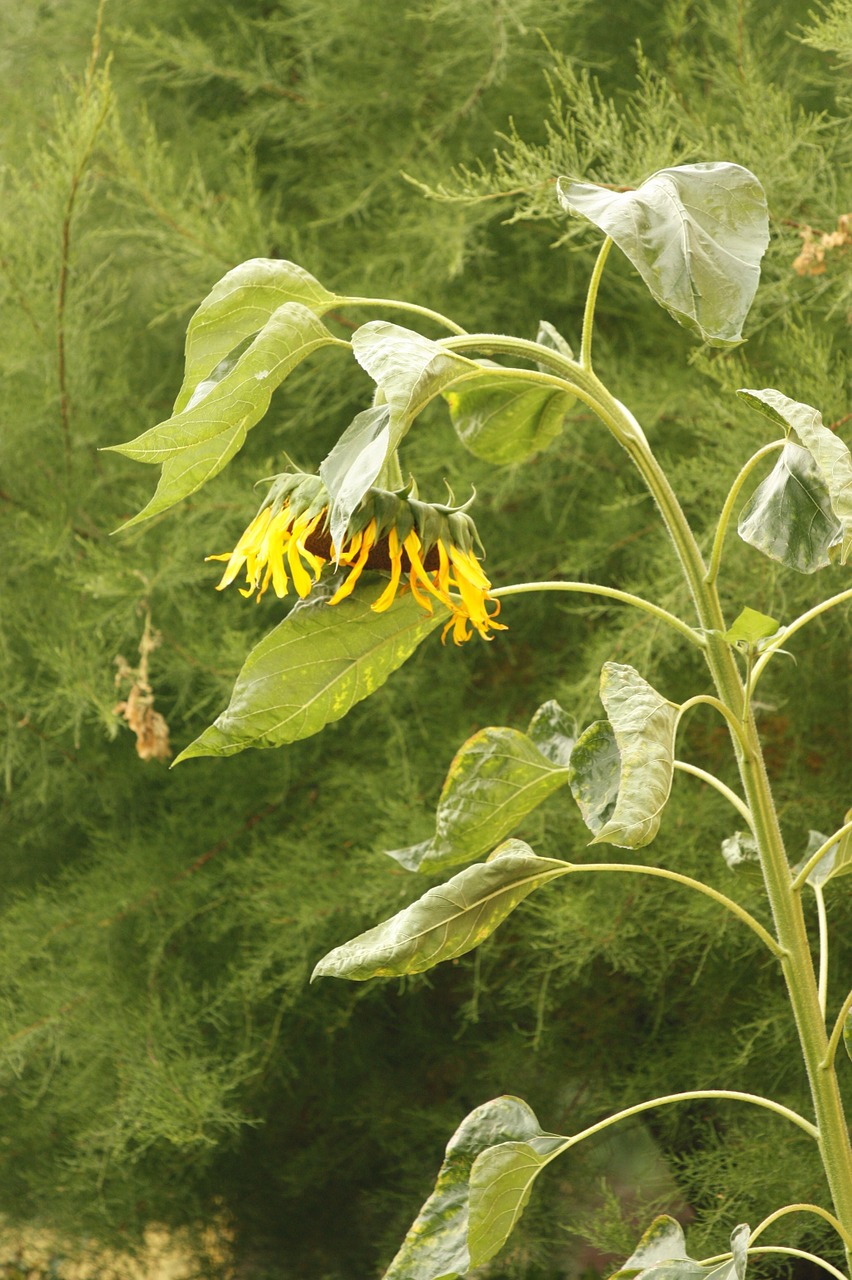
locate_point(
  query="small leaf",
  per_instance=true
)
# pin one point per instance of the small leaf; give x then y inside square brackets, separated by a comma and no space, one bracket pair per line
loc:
[595,774]
[695,233]
[435,1247]
[548,336]
[789,516]
[836,861]
[239,306]
[502,420]
[447,921]
[195,444]
[830,455]
[501,1182]
[642,724]
[751,627]
[313,668]
[496,778]
[740,850]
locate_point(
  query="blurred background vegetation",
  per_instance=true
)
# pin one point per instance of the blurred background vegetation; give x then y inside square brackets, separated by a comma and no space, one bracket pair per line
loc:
[163,1058]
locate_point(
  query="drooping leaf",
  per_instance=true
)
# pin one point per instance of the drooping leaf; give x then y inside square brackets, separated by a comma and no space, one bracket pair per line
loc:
[195,444]
[750,627]
[435,1247]
[836,861]
[695,233]
[353,465]
[661,1255]
[789,516]
[595,774]
[740,850]
[447,921]
[239,306]
[501,419]
[501,1182]
[409,371]
[828,452]
[664,1241]
[313,668]
[641,731]
[496,778]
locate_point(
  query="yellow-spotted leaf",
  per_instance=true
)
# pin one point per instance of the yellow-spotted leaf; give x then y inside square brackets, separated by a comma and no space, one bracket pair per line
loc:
[435,1247]
[313,668]
[496,778]
[447,921]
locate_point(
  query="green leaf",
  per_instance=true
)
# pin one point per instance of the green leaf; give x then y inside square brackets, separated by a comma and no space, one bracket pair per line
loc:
[196,444]
[661,1255]
[695,233]
[353,465]
[750,627]
[496,778]
[501,1182]
[447,921]
[313,668]
[595,774]
[789,516]
[740,850]
[664,1241]
[435,1247]
[836,861]
[830,455]
[503,420]
[239,306]
[642,725]
[550,337]
[847,1033]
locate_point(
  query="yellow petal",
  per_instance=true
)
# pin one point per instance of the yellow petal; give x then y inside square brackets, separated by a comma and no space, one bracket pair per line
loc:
[387,597]
[366,547]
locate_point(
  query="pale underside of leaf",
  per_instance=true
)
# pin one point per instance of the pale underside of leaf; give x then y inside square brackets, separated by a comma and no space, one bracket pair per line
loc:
[501,1182]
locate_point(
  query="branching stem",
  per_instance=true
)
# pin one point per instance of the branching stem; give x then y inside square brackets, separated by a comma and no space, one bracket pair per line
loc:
[771,649]
[711,780]
[395,305]
[612,593]
[800,1208]
[788,1251]
[727,509]
[734,723]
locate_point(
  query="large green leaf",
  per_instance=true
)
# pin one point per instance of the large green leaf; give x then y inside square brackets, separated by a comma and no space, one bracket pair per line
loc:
[641,731]
[789,516]
[435,1247]
[409,370]
[661,1255]
[501,1182]
[195,444]
[496,778]
[313,668]
[830,455]
[446,922]
[239,306]
[502,420]
[695,233]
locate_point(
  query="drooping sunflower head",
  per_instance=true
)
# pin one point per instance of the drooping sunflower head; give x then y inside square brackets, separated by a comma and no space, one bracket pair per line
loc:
[432,546]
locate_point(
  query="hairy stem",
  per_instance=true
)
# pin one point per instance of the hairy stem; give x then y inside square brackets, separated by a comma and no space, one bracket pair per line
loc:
[836,1034]
[612,593]
[820,853]
[395,305]
[713,781]
[727,509]
[591,299]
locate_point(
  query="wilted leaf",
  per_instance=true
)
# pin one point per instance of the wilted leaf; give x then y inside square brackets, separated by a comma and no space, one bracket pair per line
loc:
[664,1241]
[435,1247]
[661,1255]
[501,1182]
[313,668]
[828,452]
[447,921]
[695,233]
[640,732]
[353,465]
[239,306]
[496,778]
[195,444]
[789,516]
[548,336]
[503,420]
[740,850]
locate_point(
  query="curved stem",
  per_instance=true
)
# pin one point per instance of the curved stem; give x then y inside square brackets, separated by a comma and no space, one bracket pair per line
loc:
[711,779]
[724,519]
[591,299]
[396,305]
[692,1095]
[828,1061]
[801,1208]
[820,853]
[800,622]
[612,593]
[822,985]
[777,1248]
[632,868]
[705,699]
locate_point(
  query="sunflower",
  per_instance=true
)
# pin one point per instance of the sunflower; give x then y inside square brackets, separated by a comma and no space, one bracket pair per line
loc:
[430,545]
